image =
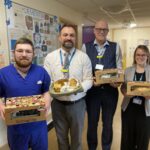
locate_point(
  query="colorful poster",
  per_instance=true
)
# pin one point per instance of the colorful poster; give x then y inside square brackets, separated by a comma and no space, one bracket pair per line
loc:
[38,26]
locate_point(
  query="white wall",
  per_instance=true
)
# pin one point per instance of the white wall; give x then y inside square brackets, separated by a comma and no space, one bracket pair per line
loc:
[54,8]
[129,39]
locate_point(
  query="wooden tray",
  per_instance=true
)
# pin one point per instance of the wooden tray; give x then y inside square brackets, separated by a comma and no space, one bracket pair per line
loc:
[76,90]
[138,88]
[109,76]
[11,117]
[64,87]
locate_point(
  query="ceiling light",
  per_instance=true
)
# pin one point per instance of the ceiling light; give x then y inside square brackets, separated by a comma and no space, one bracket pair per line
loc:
[132,25]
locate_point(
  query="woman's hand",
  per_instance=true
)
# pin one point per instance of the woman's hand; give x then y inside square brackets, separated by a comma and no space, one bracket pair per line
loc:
[115,84]
[147,97]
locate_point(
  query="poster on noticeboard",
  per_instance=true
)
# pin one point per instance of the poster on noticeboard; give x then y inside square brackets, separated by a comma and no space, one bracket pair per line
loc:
[40,27]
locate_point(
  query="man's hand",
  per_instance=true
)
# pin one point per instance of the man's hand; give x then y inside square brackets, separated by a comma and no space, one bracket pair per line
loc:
[124,92]
[115,85]
[80,90]
[47,106]
[48,100]
[94,82]
[2,110]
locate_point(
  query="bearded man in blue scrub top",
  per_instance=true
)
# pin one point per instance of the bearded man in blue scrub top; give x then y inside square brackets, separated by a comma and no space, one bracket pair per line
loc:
[25,79]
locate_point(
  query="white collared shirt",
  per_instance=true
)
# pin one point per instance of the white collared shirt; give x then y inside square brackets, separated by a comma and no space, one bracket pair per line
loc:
[80,68]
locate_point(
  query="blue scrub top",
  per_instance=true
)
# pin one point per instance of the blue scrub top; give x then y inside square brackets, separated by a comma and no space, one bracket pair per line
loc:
[12,84]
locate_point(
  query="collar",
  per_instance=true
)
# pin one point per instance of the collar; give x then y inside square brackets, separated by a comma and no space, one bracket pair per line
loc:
[70,52]
[145,66]
[22,70]
[97,44]
[23,74]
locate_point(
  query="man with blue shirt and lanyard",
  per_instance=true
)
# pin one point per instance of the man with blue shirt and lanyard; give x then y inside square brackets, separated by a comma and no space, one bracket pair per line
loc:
[102,98]
[25,79]
[68,111]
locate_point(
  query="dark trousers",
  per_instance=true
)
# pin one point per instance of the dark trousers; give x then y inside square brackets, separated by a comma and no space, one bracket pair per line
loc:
[101,99]
[135,128]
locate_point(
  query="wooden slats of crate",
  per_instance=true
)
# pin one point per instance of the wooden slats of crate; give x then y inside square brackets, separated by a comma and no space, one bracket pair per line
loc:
[11,110]
[109,76]
[138,88]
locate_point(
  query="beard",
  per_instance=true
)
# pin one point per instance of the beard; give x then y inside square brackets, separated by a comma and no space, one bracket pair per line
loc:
[23,63]
[68,44]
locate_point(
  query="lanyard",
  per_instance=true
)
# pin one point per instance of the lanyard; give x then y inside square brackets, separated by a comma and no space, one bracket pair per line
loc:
[61,57]
[100,51]
[135,77]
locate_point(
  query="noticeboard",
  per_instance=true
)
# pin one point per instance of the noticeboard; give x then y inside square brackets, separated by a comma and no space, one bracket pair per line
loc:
[38,26]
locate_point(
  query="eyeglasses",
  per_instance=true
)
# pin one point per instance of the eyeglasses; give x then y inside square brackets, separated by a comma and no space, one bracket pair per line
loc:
[141,55]
[101,29]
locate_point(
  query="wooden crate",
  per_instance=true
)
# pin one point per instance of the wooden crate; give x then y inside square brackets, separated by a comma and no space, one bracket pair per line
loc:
[138,88]
[11,117]
[109,76]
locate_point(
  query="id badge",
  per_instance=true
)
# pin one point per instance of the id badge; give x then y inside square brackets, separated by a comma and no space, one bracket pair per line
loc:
[64,70]
[99,66]
[137,100]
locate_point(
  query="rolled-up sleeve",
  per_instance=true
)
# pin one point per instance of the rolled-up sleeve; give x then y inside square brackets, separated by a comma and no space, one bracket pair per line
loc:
[46,82]
[83,48]
[118,57]
[87,74]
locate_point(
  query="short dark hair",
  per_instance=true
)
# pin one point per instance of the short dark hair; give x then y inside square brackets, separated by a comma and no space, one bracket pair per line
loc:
[145,49]
[68,25]
[24,41]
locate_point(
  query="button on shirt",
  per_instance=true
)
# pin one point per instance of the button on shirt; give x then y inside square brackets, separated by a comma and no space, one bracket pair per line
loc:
[79,68]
